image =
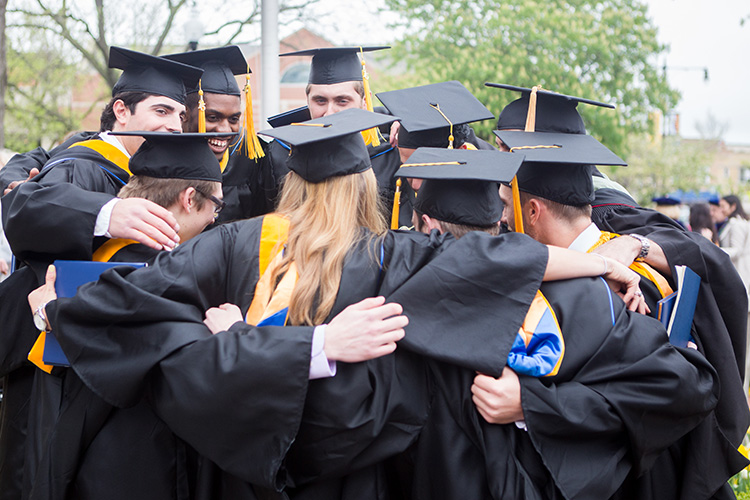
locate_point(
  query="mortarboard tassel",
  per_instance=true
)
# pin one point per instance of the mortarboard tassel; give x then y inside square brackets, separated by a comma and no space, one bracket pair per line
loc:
[396,205]
[253,148]
[530,127]
[201,110]
[370,135]
[450,134]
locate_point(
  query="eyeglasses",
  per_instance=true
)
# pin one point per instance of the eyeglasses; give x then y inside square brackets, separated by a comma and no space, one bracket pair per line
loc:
[218,204]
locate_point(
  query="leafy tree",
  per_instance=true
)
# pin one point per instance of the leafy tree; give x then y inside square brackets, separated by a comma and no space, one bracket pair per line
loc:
[57,44]
[659,167]
[603,50]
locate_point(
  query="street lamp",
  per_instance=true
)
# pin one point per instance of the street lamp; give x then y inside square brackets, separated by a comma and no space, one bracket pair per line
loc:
[194,28]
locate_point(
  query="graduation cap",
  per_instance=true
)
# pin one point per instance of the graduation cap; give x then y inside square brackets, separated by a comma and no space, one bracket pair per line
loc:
[558,167]
[461,186]
[666,200]
[552,112]
[433,113]
[335,64]
[151,74]
[296,115]
[219,67]
[329,146]
[175,155]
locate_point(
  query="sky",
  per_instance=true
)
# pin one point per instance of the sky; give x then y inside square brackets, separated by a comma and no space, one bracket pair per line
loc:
[700,34]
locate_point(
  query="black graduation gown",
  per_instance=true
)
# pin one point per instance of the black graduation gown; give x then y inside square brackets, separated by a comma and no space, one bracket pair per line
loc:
[703,462]
[246,184]
[621,396]
[94,450]
[227,395]
[50,217]
[19,166]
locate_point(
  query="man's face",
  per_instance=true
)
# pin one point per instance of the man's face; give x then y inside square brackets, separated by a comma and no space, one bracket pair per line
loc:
[197,220]
[153,114]
[324,100]
[508,218]
[156,114]
[223,114]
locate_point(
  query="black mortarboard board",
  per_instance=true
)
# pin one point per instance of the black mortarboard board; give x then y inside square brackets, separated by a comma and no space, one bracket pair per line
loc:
[175,155]
[558,166]
[296,115]
[554,112]
[151,74]
[423,125]
[334,64]
[461,186]
[329,146]
[219,67]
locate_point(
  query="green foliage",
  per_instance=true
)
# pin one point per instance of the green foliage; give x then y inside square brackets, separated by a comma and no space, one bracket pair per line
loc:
[39,102]
[659,167]
[603,50]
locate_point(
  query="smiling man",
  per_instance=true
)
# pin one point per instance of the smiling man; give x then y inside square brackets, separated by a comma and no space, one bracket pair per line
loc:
[335,84]
[245,180]
[70,209]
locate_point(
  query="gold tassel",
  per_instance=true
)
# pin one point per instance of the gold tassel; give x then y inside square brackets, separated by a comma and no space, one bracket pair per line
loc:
[396,205]
[531,113]
[253,148]
[201,110]
[517,216]
[370,135]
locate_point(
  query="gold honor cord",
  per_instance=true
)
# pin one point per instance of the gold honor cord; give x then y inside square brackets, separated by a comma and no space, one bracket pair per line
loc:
[370,135]
[201,109]
[311,124]
[396,205]
[540,146]
[450,137]
[434,164]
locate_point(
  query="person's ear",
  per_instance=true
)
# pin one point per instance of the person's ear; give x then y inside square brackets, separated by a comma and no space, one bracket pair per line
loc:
[187,199]
[121,112]
[533,211]
[431,223]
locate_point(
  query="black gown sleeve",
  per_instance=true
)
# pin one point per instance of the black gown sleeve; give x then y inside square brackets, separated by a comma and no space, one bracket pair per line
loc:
[53,215]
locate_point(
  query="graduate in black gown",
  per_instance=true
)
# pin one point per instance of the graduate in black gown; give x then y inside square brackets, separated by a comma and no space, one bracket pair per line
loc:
[582,357]
[247,178]
[238,397]
[69,210]
[72,457]
[336,82]
[703,462]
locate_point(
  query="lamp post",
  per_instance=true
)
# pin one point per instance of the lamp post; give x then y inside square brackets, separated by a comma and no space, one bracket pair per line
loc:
[194,28]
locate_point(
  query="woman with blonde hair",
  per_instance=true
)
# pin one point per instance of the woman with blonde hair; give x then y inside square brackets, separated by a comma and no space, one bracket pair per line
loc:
[238,396]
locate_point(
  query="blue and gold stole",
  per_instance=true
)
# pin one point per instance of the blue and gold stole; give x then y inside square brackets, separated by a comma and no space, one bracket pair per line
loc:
[270,305]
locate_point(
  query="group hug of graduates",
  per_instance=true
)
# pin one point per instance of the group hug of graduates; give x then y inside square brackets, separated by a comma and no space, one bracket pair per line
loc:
[500,341]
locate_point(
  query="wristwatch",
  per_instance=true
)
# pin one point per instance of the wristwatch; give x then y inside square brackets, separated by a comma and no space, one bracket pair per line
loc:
[645,246]
[40,319]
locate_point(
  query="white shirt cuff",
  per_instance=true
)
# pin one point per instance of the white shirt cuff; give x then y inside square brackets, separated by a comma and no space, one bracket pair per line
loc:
[320,367]
[101,228]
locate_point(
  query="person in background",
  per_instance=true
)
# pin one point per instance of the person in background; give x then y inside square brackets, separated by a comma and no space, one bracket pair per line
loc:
[702,222]
[734,239]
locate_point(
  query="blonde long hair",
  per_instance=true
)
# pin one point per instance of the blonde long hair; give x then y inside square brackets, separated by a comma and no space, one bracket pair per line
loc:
[325,222]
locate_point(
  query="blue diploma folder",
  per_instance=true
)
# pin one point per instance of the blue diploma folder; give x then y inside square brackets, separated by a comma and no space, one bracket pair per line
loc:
[71,274]
[677,309]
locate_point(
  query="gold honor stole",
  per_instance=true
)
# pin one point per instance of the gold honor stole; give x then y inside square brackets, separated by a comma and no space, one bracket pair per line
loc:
[108,151]
[103,254]
[641,268]
[270,305]
[539,347]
